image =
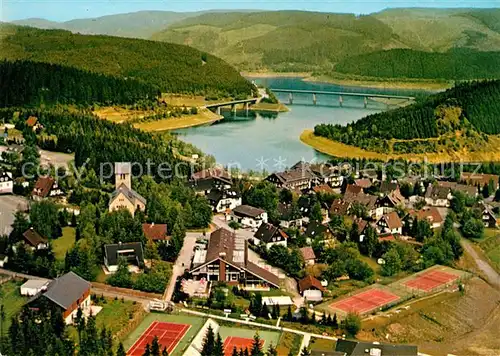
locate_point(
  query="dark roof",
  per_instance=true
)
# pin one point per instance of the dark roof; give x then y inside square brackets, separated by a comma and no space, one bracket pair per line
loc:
[387,187]
[307,253]
[262,273]
[437,192]
[369,201]
[221,241]
[43,186]
[215,195]
[296,174]
[111,251]
[129,194]
[155,232]
[326,353]
[340,207]
[470,190]
[315,229]
[354,348]
[67,289]
[215,172]
[247,210]
[478,178]
[267,231]
[34,238]
[310,282]
[353,189]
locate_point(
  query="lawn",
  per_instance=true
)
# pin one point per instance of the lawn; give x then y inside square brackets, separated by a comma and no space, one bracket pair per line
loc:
[195,322]
[490,245]
[12,300]
[61,245]
[289,343]
[322,345]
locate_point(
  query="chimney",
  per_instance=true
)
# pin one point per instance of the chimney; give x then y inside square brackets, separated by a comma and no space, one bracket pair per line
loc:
[153,224]
[246,252]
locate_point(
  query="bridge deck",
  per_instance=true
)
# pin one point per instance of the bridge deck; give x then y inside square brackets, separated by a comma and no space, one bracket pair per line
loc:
[340,93]
[234,102]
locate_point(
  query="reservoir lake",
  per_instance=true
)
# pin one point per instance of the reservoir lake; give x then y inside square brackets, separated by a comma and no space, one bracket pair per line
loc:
[271,141]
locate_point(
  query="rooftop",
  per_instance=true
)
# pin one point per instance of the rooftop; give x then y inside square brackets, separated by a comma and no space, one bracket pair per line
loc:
[247,210]
[67,289]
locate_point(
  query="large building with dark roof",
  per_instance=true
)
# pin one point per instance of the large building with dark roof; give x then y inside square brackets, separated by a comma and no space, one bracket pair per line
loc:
[132,252]
[226,260]
[359,348]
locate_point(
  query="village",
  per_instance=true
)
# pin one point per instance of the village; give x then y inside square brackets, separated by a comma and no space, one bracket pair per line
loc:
[305,256]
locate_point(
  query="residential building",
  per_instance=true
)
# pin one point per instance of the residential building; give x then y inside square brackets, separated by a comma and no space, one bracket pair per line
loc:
[124,197]
[388,187]
[391,201]
[340,207]
[69,293]
[362,348]
[34,286]
[431,215]
[132,252]
[479,179]
[226,260]
[311,289]
[298,178]
[33,123]
[488,216]
[155,232]
[366,200]
[223,200]
[270,235]
[327,174]
[248,216]
[46,187]
[469,190]
[203,182]
[390,224]
[289,216]
[308,255]
[364,183]
[438,196]
[36,241]
[323,189]
[315,229]
[6,182]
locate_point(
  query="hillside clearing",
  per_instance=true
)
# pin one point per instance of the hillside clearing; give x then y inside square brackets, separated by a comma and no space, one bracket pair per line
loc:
[204,117]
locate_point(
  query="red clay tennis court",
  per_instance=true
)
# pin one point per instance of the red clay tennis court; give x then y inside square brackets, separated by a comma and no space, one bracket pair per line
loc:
[430,280]
[365,302]
[239,342]
[169,335]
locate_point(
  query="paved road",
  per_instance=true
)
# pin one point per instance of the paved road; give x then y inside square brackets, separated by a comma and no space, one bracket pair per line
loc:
[491,275]
[183,261]
[9,204]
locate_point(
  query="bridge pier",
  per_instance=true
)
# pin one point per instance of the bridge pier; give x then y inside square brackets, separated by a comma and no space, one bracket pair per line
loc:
[233,108]
[341,100]
[290,98]
[218,110]
[247,107]
[314,98]
[366,102]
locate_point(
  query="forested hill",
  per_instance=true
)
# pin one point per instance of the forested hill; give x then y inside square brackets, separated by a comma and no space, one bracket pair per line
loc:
[171,67]
[27,83]
[470,108]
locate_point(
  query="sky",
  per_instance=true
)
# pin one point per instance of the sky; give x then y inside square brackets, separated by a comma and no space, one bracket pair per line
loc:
[64,10]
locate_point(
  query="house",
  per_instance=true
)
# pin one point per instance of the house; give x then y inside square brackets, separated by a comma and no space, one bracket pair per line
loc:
[362,225]
[124,197]
[248,216]
[323,189]
[226,260]
[212,178]
[479,179]
[270,235]
[222,200]
[340,207]
[131,251]
[352,189]
[488,216]
[69,293]
[6,182]
[362,348]
[468,190]
[35,240]
[326,174]
[315,229]
[388,187]
[289,216]
[364,183]
[436,195]
[34,286]
[46,187]
[366,200]
[311,289]
[33,123]
[155,232]
[391,201]
[390,224]
[297,178]
[431,215]
[308,255]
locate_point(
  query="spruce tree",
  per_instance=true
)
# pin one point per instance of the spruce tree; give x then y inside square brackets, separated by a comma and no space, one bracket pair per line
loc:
[256,346]
[155,347]
[208,342]
[121,350]
[219,346]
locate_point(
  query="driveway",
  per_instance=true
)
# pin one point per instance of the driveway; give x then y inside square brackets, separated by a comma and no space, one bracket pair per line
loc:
[491,275]
[9,204]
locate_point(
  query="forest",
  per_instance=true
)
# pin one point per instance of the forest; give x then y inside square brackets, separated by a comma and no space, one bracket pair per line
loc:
[456,64]
[28,83]
[171,67]
[475,104]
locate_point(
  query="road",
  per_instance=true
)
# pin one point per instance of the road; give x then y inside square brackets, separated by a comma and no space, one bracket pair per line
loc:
[183,261]
[491,275]
[9,204]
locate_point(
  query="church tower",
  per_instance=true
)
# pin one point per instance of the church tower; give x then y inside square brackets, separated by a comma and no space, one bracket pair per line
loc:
[123,174]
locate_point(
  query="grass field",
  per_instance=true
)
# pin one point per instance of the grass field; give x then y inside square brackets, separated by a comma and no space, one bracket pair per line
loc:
[64,243]
[491,151]
[321,345]
[289,343]
[203,117]
[490,245]
[12,300]
[195,322]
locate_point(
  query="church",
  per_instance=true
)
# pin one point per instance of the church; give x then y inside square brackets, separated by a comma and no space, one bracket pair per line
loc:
[124,197]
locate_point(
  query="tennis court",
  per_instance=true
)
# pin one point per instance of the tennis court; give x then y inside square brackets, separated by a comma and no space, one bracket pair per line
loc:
[169,335]
[430,280]
[365,302]
[241,343]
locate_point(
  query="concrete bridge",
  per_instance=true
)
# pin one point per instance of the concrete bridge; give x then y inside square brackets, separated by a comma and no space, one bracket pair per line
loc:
[340,94]
[232,104]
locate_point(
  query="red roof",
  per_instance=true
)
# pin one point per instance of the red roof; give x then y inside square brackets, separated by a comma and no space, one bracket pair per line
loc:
[310,283]
[31,121]
[432,215]
[363,183]
[308,253]
[386,238]
[155,232]
[393,221]
[353,189]
[43,186]
[323,188]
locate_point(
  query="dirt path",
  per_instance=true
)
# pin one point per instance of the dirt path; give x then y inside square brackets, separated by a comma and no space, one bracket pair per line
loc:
[491,275]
